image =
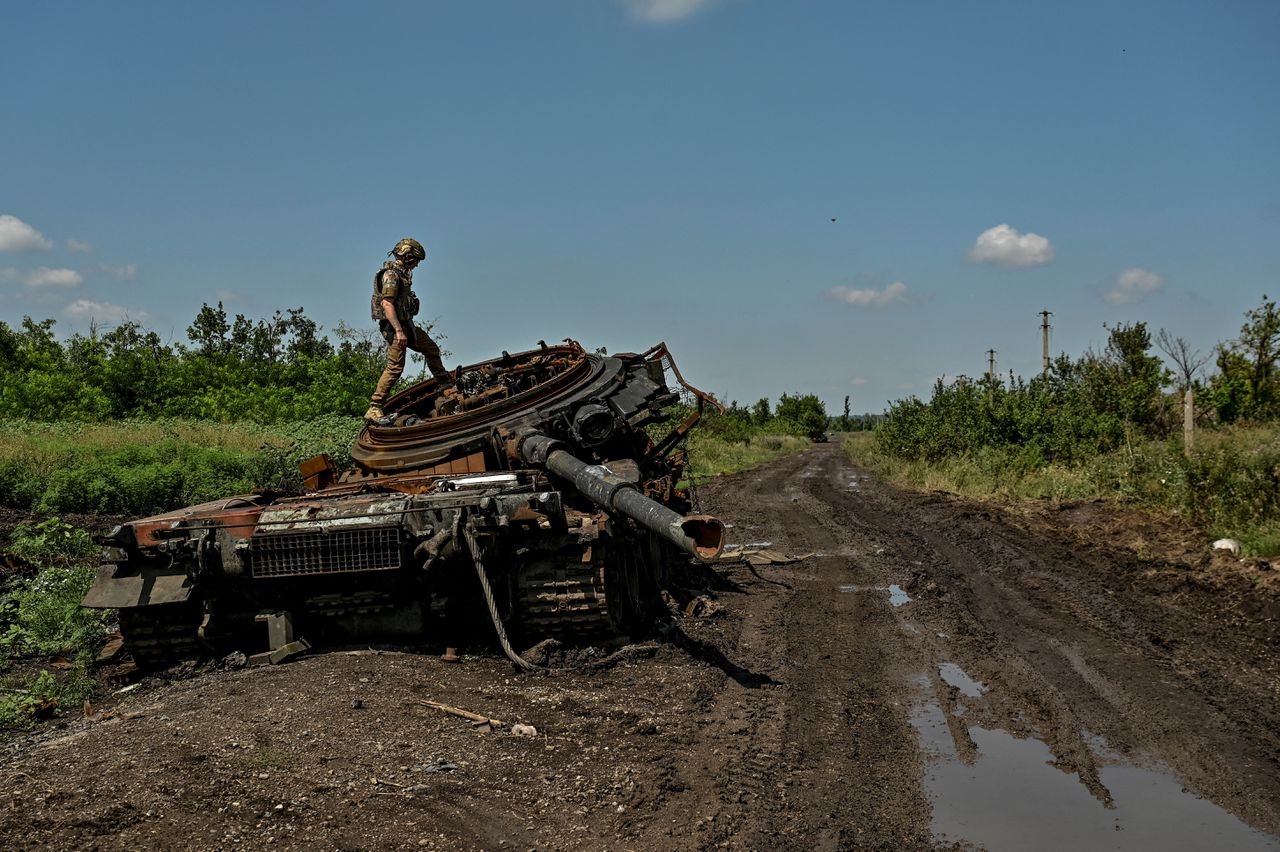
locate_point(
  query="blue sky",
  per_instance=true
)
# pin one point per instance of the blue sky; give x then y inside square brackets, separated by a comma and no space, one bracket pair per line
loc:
[628,171]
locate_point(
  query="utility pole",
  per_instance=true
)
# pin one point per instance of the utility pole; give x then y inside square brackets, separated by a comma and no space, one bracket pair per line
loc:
[991,375]
[1044,327]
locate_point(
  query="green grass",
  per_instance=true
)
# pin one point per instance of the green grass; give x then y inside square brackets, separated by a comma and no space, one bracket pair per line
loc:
[149,466]
[144,467]
[1229,487]
[713,456]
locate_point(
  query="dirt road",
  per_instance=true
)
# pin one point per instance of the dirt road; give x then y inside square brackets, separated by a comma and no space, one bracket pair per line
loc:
[935,675]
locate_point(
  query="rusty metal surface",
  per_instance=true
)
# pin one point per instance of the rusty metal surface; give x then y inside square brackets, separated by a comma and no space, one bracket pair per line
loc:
[115,589]
[429,427]
[442,490]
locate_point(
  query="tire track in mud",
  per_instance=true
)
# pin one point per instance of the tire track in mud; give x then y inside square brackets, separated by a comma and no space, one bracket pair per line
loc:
[823,755]
[1059,639]
[1062,642]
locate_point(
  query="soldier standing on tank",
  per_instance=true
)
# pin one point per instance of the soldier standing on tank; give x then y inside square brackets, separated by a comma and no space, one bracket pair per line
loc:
[393,307]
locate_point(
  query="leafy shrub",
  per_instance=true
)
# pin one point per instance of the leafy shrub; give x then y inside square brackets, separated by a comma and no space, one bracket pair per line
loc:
[1078,409]
[147,479]
[20,701]
[51,540]
[1230,488]
[21,484]
[42,615]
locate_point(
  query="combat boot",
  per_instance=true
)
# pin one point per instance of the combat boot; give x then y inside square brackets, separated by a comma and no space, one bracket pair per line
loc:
[374,414]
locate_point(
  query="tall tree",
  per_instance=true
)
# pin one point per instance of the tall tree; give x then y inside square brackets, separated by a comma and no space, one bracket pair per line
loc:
[209,330]
[1246,383]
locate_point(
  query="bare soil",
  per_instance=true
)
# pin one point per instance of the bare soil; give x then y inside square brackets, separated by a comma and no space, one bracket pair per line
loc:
[784,721]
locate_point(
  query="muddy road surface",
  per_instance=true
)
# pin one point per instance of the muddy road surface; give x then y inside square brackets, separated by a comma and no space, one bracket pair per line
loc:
[934,675]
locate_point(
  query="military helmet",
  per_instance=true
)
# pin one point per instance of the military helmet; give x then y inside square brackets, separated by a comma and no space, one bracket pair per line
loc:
[409,249]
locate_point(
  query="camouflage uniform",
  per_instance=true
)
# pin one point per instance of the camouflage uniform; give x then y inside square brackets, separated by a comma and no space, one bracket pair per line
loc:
[395,282]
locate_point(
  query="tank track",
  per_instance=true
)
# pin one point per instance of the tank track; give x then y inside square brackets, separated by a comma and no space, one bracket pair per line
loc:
[563,600]
[159,636]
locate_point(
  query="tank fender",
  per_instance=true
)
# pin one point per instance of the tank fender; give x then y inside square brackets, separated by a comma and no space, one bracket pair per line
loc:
[116,588]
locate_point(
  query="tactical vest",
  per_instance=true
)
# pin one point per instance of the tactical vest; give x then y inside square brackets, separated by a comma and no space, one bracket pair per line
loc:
[406,301]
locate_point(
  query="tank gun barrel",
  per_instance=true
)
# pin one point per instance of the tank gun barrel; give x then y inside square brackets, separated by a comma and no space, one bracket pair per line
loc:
[699,535]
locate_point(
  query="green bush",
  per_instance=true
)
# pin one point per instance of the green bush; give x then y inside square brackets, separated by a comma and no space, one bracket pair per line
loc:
[1076,410]
[1229,488]
[51,540]
[42,615]
[21,483]
[20,701]
[148,479]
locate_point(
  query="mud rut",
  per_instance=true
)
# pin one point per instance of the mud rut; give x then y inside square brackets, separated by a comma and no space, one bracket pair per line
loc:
[791,721]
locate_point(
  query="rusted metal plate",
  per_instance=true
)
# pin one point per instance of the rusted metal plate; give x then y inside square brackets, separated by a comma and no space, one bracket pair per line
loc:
[318,472]
[116,592]
[330,515]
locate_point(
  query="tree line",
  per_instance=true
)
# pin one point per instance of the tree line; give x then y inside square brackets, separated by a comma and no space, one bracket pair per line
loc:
[228,369]
[1097,402]
[795,414]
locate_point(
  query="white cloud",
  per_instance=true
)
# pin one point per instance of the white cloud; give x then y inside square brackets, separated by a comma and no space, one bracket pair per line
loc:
[46,277]
[1005,246]
[17,235]
[79,246]
[857,381]
[8,274]
[665,11]
[121,273]
[895,292]
[85,309]
[1133,285]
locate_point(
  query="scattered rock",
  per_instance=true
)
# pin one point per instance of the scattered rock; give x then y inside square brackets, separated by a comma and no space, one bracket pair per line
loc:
[1230,545]
[439,765]
[234,660]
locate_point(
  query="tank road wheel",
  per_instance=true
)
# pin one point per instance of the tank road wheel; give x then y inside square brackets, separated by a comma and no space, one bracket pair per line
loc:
[161,635]
[562,599]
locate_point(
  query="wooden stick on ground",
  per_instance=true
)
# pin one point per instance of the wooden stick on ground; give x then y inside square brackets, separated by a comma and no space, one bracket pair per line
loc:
[465,714]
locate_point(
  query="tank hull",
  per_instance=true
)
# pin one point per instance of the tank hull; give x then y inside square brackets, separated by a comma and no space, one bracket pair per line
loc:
[441,516]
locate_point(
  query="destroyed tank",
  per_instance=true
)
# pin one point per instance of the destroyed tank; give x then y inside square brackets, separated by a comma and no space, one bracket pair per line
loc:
[528,499]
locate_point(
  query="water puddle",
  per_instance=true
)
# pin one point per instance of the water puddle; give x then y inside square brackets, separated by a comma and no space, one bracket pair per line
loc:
[1011,798]
[959,678]
[897,596]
